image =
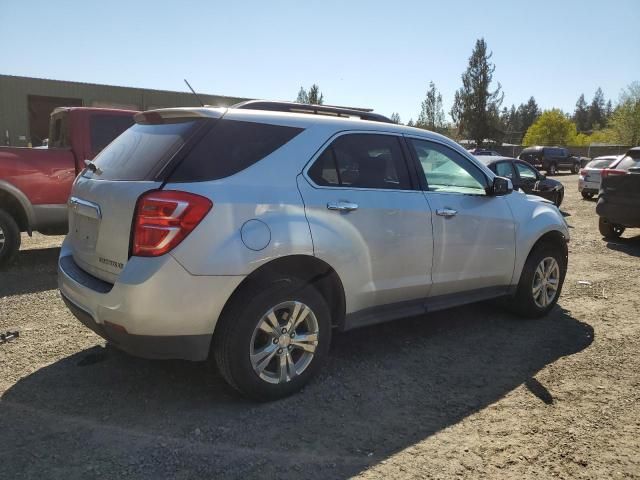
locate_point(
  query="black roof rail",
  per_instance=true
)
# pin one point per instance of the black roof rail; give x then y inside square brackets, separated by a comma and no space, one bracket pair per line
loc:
[329,110]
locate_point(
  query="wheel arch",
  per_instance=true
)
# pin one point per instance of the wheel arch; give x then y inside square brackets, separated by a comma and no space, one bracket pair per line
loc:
[307,268]
[14,202]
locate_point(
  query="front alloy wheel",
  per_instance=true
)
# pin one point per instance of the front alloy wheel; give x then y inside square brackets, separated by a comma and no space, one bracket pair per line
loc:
[284,342]
[546,281]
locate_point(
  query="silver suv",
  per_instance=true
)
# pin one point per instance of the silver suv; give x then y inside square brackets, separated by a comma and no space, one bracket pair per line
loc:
[247,235]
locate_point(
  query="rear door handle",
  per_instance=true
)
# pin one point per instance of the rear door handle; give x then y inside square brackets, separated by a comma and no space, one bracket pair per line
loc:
[342,206]
[446,212]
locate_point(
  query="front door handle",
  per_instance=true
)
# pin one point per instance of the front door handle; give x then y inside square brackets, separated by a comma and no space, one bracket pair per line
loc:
[446,212]
[342,206]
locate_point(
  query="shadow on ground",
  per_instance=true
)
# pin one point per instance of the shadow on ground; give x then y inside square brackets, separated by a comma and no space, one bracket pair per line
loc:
[630,246]
[33,271]
[385,388]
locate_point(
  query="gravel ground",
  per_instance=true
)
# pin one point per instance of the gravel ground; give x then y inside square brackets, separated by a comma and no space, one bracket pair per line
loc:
[471,392]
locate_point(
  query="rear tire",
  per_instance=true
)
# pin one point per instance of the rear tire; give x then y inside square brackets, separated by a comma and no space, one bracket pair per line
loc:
[552,169]
[535,282]
[575,168]
[587,196]
[256,359]
[9,238]
[609,230]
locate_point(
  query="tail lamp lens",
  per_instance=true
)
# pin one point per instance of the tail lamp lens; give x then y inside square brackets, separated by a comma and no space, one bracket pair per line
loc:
[163,218]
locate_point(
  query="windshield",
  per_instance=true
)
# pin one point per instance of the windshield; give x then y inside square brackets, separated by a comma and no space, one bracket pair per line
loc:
[141,151]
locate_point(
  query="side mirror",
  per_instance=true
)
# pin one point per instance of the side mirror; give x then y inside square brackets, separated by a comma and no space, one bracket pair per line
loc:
[501,186]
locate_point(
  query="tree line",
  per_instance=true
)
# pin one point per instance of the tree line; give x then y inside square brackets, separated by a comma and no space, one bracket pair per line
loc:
[477,113]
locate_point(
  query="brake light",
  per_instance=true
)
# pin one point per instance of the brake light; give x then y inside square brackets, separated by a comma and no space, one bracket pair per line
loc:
[163,218]
[612,171]
[583,172]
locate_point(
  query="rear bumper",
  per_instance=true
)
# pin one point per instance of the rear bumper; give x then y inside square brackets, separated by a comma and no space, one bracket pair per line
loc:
[618,214]
[186,347]
[156,309]
[587,186]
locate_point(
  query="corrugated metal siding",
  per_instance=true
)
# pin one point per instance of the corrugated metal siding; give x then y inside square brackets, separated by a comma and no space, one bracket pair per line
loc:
[14,91]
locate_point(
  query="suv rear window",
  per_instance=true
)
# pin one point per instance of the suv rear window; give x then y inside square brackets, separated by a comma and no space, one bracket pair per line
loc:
[142,150]
[104,128]
[230,147]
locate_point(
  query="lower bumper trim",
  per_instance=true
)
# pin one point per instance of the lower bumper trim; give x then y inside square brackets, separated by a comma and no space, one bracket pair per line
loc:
[183,347]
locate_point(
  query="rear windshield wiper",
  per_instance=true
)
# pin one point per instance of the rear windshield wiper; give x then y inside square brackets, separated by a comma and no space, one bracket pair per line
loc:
[93,167]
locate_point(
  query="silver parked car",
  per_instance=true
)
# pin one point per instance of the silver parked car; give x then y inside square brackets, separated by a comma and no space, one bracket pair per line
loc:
[248,235]
[591,174]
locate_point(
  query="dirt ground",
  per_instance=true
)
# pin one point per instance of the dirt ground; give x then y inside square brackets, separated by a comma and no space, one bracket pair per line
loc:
[472,392]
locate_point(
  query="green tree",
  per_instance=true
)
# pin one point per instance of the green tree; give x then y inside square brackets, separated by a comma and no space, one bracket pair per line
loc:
[581,114]
[313,96]
[395,117]
[625,120]
[551,128]
[410,123]
[476,107]
[597,114]
[431,113]
[528,113]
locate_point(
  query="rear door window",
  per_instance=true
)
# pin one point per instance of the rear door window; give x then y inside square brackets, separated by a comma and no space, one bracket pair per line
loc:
[362,161]
[526,172]
[142,151]
[230,147]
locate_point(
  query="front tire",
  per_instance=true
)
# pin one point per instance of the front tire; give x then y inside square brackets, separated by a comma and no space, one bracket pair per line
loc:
[575,168]
[269,344]
[609,230]
[557,199]
[540,282]
[9,238]
[552,169]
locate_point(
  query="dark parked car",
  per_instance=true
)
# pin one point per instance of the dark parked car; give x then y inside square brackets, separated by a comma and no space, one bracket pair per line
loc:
[484,152]
[619,201]
[551,159]
[525,177]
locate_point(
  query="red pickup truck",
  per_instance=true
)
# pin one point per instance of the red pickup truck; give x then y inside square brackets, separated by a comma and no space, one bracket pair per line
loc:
[35,182]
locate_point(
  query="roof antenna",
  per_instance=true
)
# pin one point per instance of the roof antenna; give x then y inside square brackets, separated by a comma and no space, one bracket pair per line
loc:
[194,92]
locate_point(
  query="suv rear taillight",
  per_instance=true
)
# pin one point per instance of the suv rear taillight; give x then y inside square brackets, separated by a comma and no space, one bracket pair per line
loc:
[612,171]
[163,218]
[583,172]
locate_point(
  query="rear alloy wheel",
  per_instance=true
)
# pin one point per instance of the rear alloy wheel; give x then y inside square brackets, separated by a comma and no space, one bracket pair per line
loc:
[540,282]
[270,344]
[587,195]
[9,238]
[552,169]
[609,230]
[575,168]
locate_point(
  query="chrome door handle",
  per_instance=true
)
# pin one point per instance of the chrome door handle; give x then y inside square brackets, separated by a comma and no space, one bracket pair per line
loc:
[342,206]
[446,212]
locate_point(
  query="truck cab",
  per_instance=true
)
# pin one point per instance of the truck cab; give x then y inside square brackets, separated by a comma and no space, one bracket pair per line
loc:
[35,182]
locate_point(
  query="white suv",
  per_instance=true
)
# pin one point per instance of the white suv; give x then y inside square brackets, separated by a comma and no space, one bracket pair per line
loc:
[247,234]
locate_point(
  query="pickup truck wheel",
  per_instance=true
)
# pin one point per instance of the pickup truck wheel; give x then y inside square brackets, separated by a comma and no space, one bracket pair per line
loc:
[9,238]
[609,230]
[552,169]
[575,168]
[587,196]
[540,282]
[271,342]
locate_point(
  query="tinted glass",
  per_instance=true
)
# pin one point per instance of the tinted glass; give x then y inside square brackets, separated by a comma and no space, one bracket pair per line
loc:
[362,161]
[448,171]
[141,151]
[229,147]
[631,160]
[604,163]
[104,128]
[504,169]
[526,172]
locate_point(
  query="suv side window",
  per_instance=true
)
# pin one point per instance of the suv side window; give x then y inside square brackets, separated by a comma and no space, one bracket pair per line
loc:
[448,171]
[361,160]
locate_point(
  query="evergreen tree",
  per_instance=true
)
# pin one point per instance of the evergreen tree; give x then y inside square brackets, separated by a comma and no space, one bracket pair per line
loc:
[431,114]
[410,123]
[476,107]
[529,113]
[313,96]
[395,117]
[581,114]
[597,111]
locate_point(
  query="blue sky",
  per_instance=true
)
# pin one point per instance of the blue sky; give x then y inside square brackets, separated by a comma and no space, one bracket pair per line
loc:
[379,54]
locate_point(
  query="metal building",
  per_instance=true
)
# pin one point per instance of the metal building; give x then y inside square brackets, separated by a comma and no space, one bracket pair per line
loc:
[26,103]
